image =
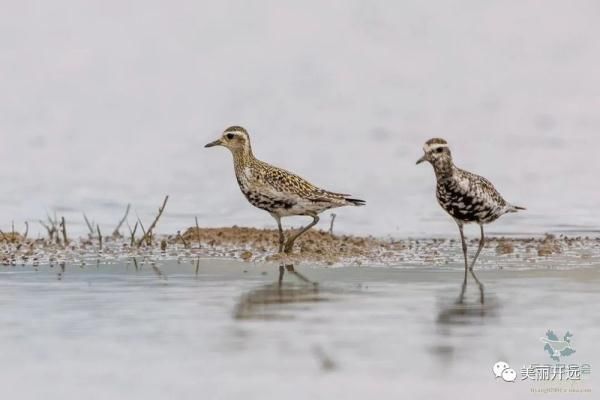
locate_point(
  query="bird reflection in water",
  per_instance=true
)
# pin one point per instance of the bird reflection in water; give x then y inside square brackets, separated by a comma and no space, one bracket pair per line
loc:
[461,311]
[290,268]
[265,302]
[464,288]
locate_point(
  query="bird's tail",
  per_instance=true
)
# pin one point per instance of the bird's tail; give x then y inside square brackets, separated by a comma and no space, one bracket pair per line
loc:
[512,208]
[355,202]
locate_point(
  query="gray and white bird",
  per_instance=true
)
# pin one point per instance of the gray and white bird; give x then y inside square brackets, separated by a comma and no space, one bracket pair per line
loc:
[467,197]
[275,190]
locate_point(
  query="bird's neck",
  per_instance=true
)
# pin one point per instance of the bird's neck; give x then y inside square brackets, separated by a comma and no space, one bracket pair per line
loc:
[444,168]
[242,158]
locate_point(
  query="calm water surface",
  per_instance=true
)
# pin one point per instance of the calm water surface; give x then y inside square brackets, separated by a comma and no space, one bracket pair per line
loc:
[111,331]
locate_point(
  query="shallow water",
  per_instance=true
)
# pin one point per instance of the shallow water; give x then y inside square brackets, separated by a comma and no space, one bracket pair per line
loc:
[107,105]
[227,331]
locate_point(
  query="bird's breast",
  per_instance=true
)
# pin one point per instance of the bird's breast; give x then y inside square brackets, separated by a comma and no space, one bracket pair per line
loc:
[466,203]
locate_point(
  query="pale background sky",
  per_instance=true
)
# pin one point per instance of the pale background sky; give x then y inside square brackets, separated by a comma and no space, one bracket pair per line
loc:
[109,102]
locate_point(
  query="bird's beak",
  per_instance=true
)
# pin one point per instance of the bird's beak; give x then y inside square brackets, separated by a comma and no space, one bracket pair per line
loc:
[420,160]
[215,143]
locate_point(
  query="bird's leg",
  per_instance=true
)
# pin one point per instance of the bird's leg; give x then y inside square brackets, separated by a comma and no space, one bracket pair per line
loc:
[481,243]
[290,242]
[281,241]
[464,249]
[281,236]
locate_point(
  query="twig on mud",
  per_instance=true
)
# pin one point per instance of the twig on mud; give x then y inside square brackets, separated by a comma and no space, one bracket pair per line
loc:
[197,232]
[63,225]
[139,222]
[89,224]
[55,225]
[333,215]
[148,234]
[99,236]
[26,231]
[179,237]
[51,229]
[116,232]
[132,233]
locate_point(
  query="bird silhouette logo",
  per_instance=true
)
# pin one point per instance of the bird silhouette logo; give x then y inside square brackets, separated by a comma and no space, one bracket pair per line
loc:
[556,347]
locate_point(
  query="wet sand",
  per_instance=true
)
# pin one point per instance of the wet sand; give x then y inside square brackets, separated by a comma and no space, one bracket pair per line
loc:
[316,247]
[225,329]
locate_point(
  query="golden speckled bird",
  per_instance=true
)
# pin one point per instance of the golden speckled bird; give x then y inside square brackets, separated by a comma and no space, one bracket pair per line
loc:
[275,190]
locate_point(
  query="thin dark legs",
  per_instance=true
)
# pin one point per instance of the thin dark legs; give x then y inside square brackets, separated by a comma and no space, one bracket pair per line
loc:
[464,249]
[467,268]
[290,242]
[481,243]
[281,236]
[287,246]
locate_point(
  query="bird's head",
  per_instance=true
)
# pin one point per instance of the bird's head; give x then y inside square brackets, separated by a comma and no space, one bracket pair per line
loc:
[235,138]
[436,152]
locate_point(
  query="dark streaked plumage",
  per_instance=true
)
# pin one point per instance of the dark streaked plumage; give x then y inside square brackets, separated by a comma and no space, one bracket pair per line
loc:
[275,190]
[471,198]
[467,197]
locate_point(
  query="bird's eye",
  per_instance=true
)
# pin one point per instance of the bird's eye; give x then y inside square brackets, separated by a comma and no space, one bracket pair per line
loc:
[229,136]
[439,150]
